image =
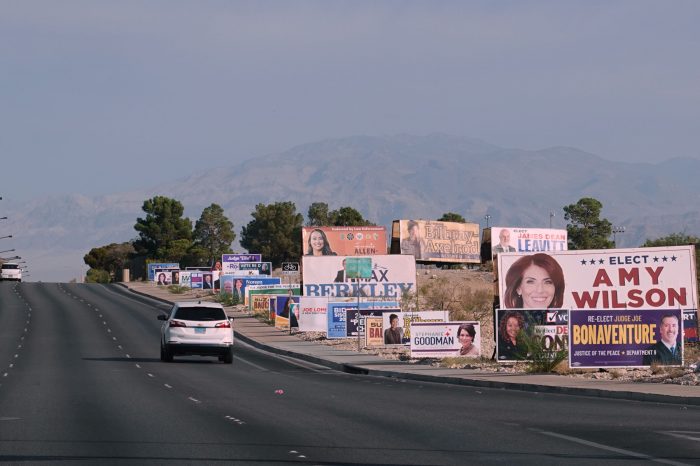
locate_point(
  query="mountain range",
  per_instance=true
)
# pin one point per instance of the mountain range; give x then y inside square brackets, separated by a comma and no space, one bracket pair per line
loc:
[385,178]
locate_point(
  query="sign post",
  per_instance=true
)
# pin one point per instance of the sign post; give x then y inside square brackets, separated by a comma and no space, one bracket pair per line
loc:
[357,268]
[289,269]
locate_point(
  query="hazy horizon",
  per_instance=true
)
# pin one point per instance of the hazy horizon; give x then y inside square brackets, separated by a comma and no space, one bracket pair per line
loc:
[102,97]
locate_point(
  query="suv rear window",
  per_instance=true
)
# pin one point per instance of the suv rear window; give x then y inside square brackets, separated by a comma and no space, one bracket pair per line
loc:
[201,314]
[10,266]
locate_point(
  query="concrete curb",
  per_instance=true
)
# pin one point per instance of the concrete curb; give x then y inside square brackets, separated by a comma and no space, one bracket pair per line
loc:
[520,386]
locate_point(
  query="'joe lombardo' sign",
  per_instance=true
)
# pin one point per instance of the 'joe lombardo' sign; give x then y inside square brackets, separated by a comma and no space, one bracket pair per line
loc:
[639,278]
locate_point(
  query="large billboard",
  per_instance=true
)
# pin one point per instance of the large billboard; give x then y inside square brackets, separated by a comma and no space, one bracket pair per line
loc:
[391,276]
[625,338]
[433,241]
[639,278]
[511,239]
[343,241]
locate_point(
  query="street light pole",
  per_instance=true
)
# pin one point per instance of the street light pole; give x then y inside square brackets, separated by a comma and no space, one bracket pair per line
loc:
[551,216]
[487,217]
[615,231]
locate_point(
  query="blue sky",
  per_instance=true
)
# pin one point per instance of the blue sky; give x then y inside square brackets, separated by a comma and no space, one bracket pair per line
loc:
[107,96]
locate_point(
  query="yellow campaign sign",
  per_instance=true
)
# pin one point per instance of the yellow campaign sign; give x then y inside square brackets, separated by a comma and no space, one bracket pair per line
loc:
[374,335]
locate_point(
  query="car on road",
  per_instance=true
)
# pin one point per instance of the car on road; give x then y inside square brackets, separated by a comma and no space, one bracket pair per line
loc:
[196,328]
[11,271]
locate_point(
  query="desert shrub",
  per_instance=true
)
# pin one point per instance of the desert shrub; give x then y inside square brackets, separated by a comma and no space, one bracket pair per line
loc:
[540,358]
[227,299]
[177,289]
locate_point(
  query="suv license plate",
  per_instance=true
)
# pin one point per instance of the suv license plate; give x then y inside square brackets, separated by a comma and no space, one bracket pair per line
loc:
[200,330]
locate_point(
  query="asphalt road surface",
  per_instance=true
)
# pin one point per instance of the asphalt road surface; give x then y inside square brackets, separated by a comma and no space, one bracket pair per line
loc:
[81,382]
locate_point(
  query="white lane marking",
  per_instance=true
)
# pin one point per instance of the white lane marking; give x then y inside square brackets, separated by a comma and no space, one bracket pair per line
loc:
[139,367]
[684,434]
[128,356]
[151,375]
[114,338]
[16,356]
[194,399]
[11,366]
[167,386]
[119,346]
[600,446]
[5,374]
[109,331]
[238,358]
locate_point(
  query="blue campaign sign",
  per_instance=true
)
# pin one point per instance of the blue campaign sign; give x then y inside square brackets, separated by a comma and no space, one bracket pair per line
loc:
[337,324]
[160,265]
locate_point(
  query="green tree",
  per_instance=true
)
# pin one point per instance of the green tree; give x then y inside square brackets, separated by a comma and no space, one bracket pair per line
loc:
[163,234]
[348,217]
[110,258]
[452,217]
[97,276]
[274,232]
[586,229]
[679,239]
[318,215]
[674,239]
[212,236]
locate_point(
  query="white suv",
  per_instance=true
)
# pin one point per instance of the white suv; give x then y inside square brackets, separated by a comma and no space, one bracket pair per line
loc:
[11,271]
[196,328]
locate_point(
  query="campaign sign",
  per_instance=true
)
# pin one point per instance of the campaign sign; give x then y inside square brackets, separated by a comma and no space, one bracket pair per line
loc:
[337,315]
[279,289]
[374,336]
[261,304]
[625,338]
[163,276]
[257,268]
[635,278]
[196,280]
[313,314]
[527,240]
[241,258]
[185,277]
[406,319]
[230,262]
[550,325]
[160,265]
[390,276]
[436,241]
[690,325]
[343,241]
[446,339]
[355,323]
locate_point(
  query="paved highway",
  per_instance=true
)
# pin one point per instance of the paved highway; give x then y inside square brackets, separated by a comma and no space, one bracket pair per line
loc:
[81,382]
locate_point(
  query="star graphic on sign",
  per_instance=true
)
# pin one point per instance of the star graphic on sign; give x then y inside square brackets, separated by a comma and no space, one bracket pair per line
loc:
[583,262]
[665,259]
[601,261]
[673,258]
[592,261]
[656,259]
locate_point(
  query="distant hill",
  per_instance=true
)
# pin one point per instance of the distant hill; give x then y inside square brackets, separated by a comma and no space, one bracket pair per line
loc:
[386,178]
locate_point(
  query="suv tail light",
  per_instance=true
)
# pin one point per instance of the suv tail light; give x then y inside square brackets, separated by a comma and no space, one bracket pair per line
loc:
[226,324]
[177,323]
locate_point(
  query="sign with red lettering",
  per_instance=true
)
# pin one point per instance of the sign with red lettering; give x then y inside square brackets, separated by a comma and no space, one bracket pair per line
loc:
[639,278]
